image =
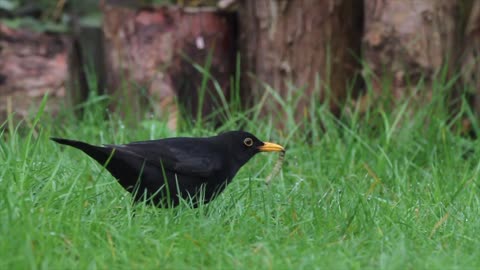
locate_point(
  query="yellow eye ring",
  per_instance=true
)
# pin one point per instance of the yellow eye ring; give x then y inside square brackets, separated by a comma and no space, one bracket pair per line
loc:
[248,142]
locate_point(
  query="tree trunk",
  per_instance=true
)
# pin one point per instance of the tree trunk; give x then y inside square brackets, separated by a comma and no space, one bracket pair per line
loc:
[150,54]
[309,47]
[31,65]
[409,41]
[470,65]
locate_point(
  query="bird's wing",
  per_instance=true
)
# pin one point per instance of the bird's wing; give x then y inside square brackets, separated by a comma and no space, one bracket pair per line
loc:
[182,157]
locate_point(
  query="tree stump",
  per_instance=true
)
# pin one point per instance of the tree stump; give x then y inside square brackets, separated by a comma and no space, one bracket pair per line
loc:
[150,54]
[31,65]
[408,41]
[470,65]
[307,47]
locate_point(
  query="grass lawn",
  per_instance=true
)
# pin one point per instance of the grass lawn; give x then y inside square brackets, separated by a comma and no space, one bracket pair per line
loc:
[386,189]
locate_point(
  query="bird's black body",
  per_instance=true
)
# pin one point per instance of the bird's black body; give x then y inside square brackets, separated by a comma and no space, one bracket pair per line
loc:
[163,171]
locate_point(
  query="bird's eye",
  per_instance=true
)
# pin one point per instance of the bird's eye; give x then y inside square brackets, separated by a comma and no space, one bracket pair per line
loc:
[248,142]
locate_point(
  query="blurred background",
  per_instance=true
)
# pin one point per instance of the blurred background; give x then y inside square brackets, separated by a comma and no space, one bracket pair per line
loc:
[198,60]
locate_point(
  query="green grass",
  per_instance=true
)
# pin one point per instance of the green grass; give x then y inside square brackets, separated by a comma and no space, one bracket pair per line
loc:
[385,189]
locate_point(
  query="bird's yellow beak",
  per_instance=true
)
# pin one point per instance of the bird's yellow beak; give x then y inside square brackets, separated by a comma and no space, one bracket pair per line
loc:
[271,147]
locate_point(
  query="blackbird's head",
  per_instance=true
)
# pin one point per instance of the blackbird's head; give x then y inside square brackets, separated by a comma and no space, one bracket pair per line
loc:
[243,145]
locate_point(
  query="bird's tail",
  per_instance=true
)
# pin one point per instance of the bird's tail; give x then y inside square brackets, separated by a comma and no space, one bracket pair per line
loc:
[101,154]
[124,166]
[76,144]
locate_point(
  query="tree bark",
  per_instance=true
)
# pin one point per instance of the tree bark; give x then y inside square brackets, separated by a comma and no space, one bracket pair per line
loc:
[31,65]
[150,54]
[307,47]
[409,41]
[470,65]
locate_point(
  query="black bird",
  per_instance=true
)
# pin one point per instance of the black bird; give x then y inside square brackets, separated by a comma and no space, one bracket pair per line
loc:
[163,171]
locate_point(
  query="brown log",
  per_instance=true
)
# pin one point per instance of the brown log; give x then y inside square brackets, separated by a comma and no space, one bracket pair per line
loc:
[31,65]
[153,49]
[470,65]
[313,45]
[408,41]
